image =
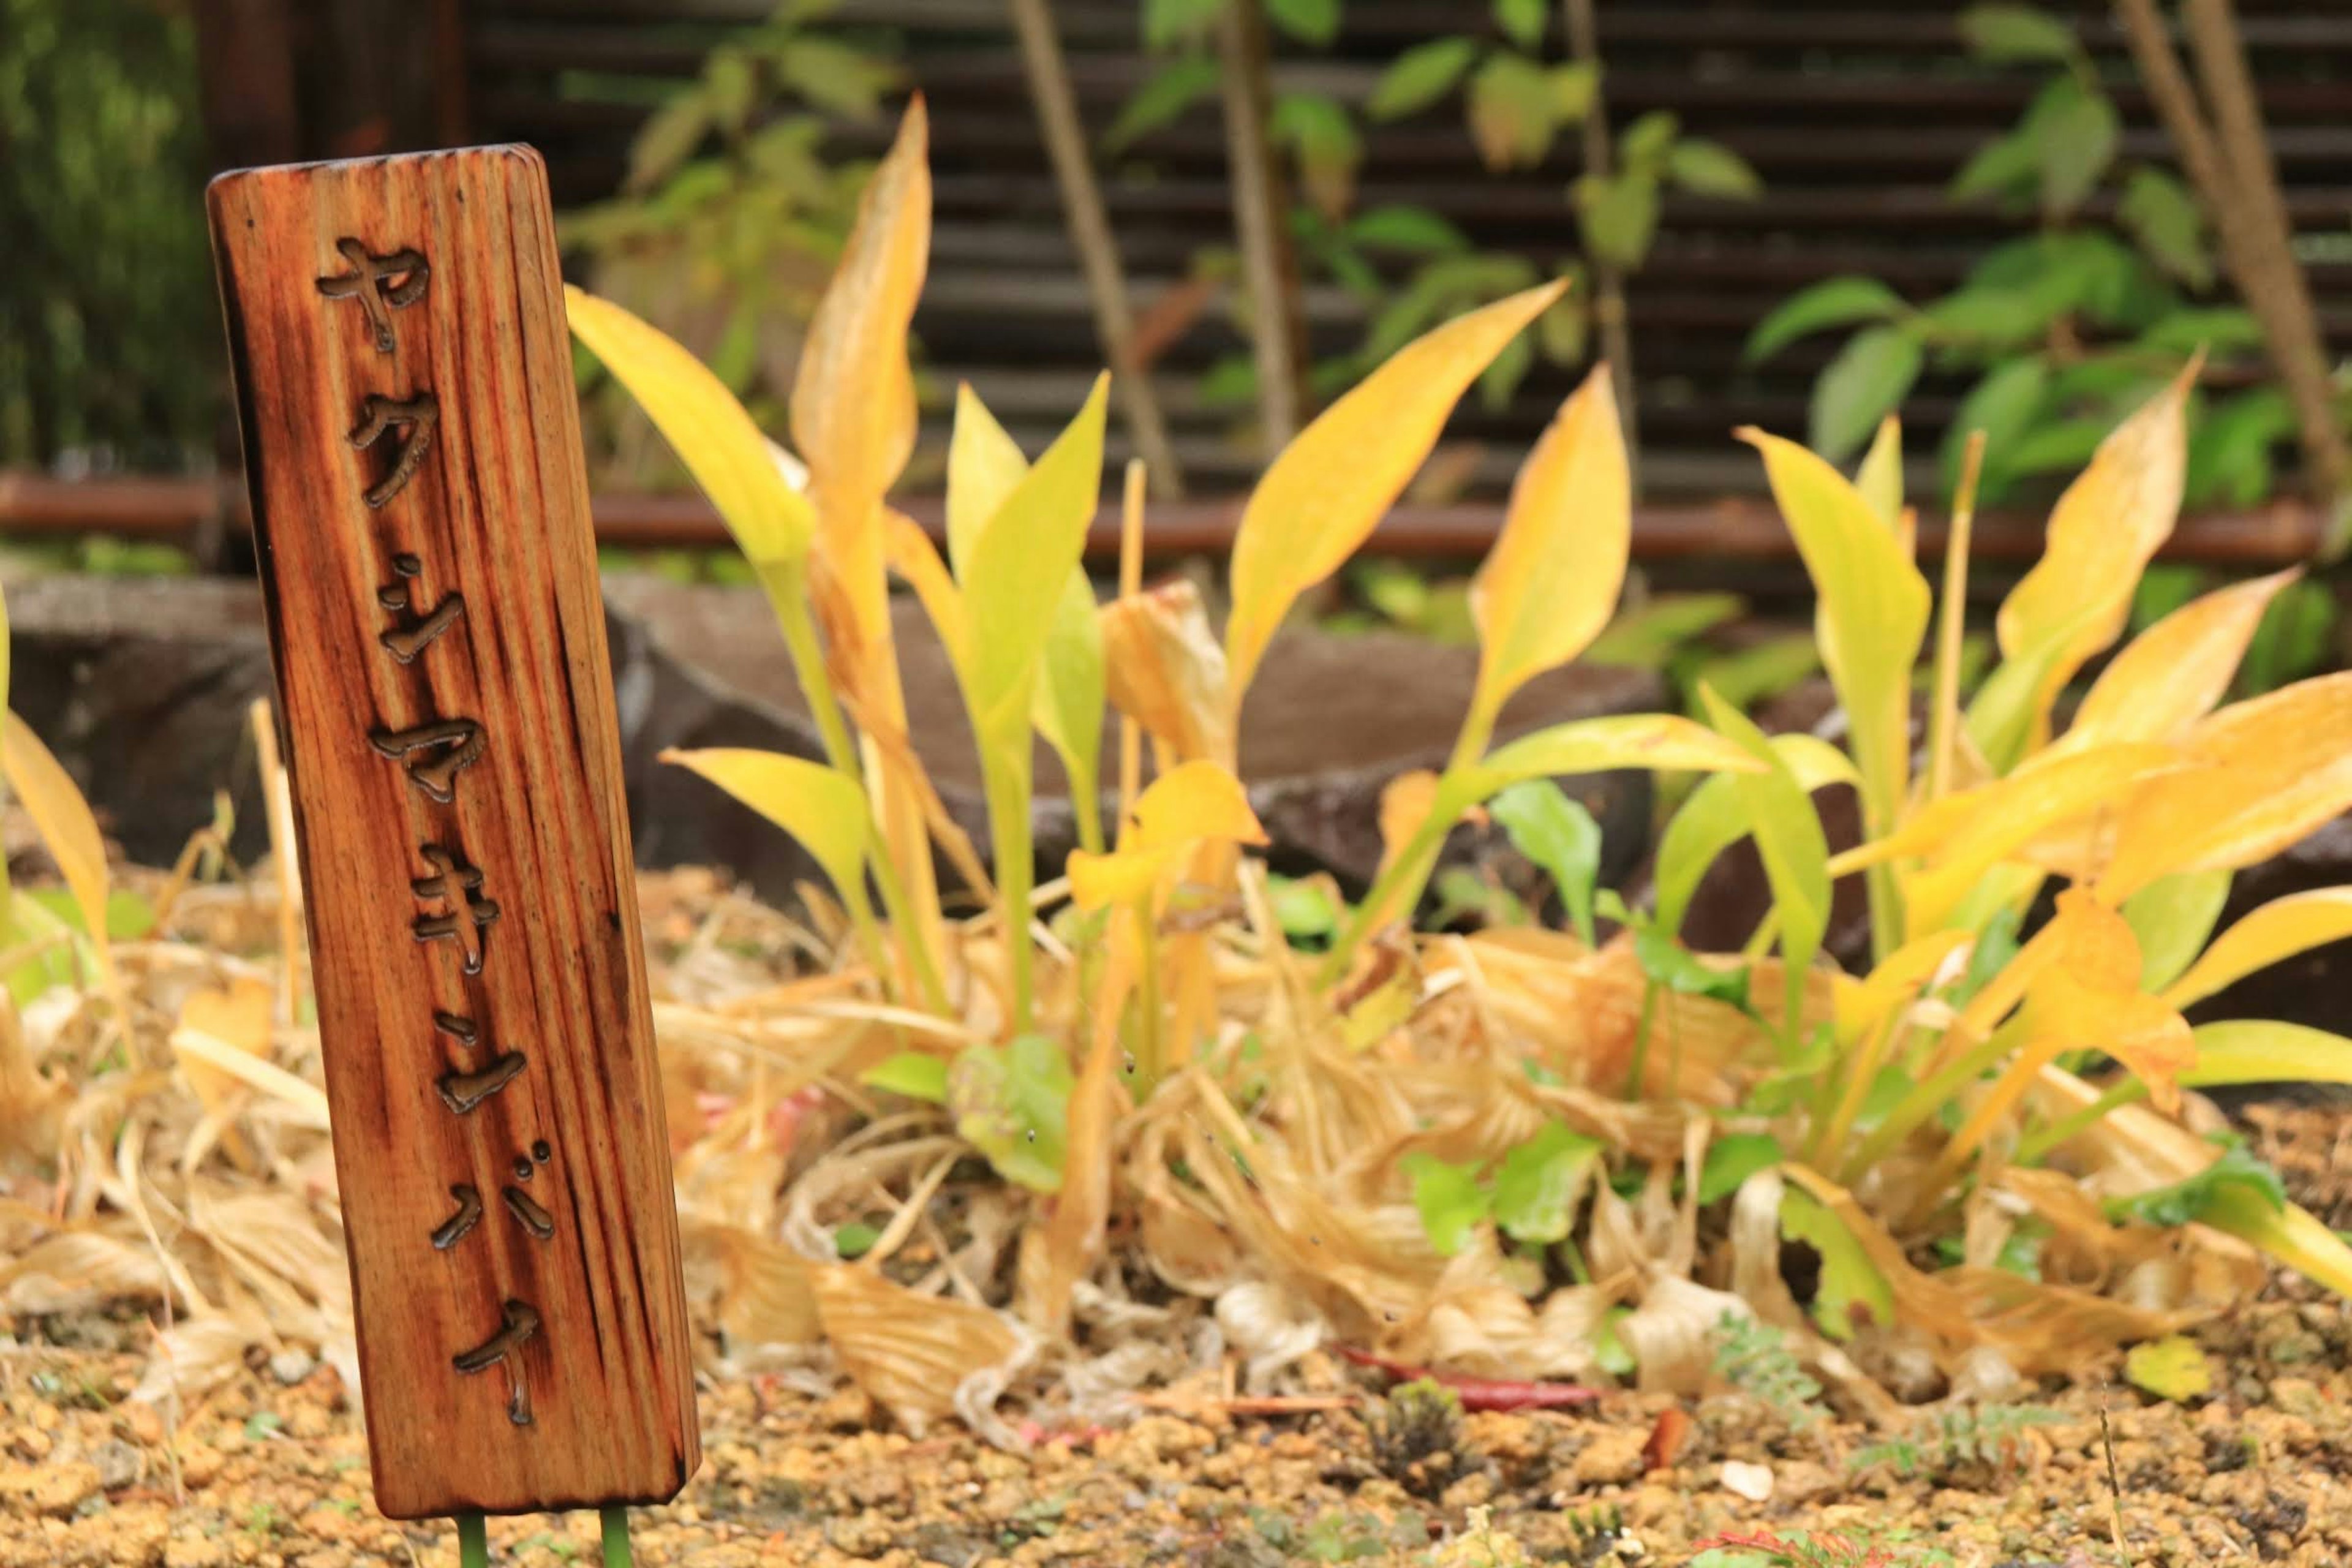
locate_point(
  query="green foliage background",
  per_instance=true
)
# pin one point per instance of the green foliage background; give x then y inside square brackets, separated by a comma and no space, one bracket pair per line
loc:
[110,334]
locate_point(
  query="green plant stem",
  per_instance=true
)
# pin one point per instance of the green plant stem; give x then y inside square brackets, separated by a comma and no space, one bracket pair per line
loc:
[1927,1098]
[1402,882]
[2039,1142]
[901,911]
[1086,808]
[1007,789]
[473,1541]
[616,1536]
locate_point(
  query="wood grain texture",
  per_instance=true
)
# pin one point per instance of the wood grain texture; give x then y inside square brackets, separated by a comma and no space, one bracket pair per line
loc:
[420,504]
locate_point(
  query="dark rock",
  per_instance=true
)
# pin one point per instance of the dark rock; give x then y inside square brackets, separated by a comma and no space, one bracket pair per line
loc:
[142,686]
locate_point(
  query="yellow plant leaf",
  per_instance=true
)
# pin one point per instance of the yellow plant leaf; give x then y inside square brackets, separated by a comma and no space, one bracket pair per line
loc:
[1331,486]
[1658,740]
[2255,1050]
[1165,671]
[1862,1004]
[62,817]
[704,424]
[2172,674]
[1880,478]
[1963,836]
[1871,615]
[1406,802]
[1713,819]
[984,467]
[1788,833]
[2065,1011]
[1551,581]
[2275,767]
[1193,803]
[2172,1368]
[2276,930]
[916,559]
[1019,562]
[853,408]
[824,810]
[2103,531]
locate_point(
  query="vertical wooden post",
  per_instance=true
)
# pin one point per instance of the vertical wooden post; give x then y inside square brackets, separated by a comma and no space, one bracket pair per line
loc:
[421,510]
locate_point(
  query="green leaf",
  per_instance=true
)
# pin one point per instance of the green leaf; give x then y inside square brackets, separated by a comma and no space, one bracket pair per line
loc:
[854,1239]
[1535,1191]
[2012,33]
[1620,216]
[1514,112]
[915,1074]
[1609,1348]
[2172,916]
[1650,634]
[1707,168]
[1321,136]
[2003,405]
[1674,966]
[2170,228]
[1984,318]
[1167,23]
[2183,333]
[1647,139]
[1832,302]
[2257,1051]
[1731,1160]
[1575,84]
[1522,21]
[1762,670]
[2229,461]
[1880,480]
[2295,638]
[1788,833]
[1011,1102]
[1306,908]
[1161,100]
[1314,22]
[1715,817]
[1414,231]
[2006,167]
[1867,379]
[1502,377]
[2188,1202]
[2074,129]
[1068,703]
[1852,1292]
[1419,77]
[1559,834]
[1451,1200]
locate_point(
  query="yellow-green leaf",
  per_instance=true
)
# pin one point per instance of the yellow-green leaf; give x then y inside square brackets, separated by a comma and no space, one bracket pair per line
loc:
[1789,837]
[853,409]
[1657,741]
[700,419]
[2172,674]
[1331,486]
[1020,564]
[2173,1368]
[62,817]
[2172,916]
[2272,769]
[2291,1234]
[2277,930]
[2104,528]
[984,467]
[2010,706]
[1871,615]
[1070,690]
[2259,1050]
[1714,818]
[1853,1292]
[1880,478]
[1548,585]
[824,810]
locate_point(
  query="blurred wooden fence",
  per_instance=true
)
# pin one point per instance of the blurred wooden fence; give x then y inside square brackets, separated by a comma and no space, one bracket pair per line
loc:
[1855,114]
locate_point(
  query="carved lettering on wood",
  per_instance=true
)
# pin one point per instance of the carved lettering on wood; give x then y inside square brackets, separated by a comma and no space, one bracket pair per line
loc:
[403,382]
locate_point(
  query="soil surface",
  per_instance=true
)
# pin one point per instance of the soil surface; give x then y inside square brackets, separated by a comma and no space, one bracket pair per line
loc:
[271,1469]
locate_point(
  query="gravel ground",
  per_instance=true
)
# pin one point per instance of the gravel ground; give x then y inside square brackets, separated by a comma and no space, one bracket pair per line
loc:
[271,1470]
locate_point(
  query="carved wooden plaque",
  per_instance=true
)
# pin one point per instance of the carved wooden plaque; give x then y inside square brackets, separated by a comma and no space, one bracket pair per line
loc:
[411,441]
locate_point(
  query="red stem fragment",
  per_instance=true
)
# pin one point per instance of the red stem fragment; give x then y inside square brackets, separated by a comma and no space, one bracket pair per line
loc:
[1480,1393]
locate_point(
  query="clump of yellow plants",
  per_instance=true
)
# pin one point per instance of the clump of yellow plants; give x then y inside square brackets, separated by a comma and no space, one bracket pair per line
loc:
[1521,1151]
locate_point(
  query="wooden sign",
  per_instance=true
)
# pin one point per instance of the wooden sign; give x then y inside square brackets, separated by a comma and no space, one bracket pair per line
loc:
[412,440]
